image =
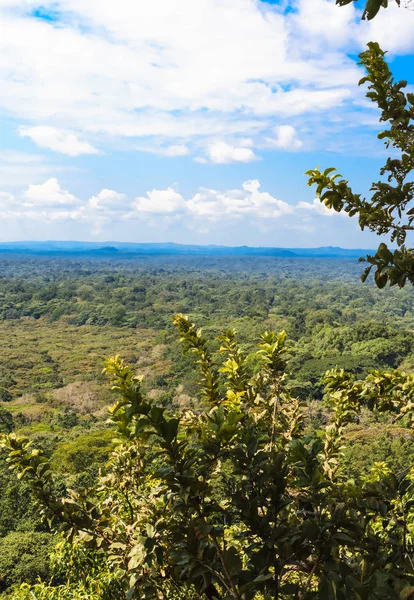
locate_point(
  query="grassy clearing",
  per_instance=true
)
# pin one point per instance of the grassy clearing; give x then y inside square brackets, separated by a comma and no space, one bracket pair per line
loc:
[39,356]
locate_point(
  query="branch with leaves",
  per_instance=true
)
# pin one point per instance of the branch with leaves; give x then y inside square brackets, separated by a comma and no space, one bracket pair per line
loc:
[390,210]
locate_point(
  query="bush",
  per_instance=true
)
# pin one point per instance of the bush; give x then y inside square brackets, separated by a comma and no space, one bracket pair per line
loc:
[5,395]
[6,420]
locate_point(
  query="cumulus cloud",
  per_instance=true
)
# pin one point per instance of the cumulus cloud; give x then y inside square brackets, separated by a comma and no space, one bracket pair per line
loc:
[160,202]
[223,153]
[203,210]
[49,194]
[321,26]
[108,200]
[247,201]
[44,203]
[286,138]
[159,69]
[57,140]
[392,30]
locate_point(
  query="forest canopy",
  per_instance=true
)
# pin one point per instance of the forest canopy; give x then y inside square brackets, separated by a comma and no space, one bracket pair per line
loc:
[331,321]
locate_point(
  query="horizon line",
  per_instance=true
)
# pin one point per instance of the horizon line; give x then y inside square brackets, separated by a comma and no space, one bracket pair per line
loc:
[169,243]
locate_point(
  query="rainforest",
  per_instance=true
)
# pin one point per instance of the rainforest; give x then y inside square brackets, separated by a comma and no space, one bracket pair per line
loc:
[62,317]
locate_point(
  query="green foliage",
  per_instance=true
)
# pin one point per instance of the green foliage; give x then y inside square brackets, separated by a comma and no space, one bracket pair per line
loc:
[236,501]
[368,443]
[67,418]
[6,420]
[90,450]
[390,209]
[17,510]
[85,575]
[5,395]
[318,302]
[330,319]
[24,556]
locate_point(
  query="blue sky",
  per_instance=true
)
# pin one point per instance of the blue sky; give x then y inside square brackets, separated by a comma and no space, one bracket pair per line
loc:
[190,121]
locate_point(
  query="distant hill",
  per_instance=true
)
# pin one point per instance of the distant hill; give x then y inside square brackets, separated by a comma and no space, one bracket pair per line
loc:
[129,249]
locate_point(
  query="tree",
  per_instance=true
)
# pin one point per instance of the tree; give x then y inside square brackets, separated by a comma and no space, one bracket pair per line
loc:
[390,209]
[24,556]
[117,315]
[234,502]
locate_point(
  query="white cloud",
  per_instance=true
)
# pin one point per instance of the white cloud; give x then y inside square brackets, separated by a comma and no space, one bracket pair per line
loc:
[285,138]
[245,202]
[391,28]
[49,194]
[173,151]
[49,202]
[44,203]
[321,25]
[57,140]
[108,200]
[223,153]
[160,202]
[318,207]
[14,157]
[176,150]
[206,204]
[133,69]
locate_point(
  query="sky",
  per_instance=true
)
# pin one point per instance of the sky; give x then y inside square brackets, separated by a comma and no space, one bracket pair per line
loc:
[190,121]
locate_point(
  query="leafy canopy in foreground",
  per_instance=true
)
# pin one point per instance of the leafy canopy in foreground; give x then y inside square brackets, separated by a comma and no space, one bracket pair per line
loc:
[390,209]
[234,502]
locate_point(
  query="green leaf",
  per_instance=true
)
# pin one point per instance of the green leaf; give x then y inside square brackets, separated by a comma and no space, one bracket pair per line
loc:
[232,560]
[344,537]
[380,279]
[371,9]
[137,558]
